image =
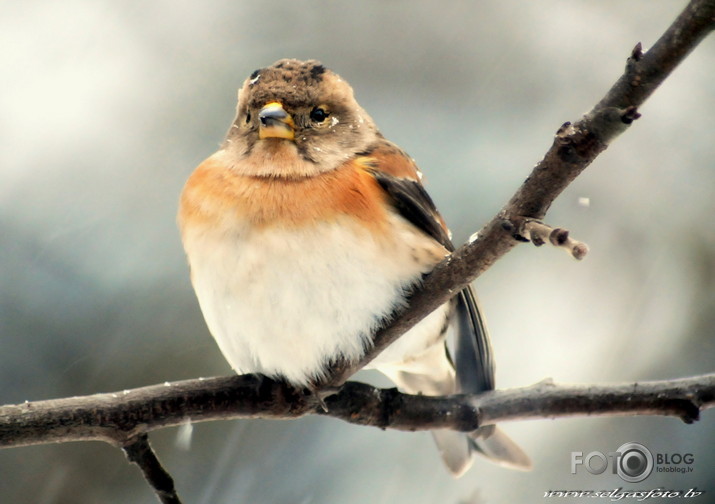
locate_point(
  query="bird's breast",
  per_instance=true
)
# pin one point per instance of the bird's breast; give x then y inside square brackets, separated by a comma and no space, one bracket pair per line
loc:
[286,289]
[217,194]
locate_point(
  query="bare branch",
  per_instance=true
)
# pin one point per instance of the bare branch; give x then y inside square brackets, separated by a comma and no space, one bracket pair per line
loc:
[124,418]
[140,452]
[539,233]
[684,398]
[118,418]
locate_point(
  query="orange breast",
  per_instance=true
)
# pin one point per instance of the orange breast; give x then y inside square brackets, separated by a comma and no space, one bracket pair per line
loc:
[214,195]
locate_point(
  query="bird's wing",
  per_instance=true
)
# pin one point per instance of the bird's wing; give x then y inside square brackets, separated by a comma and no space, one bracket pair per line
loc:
[399,177]
[411,201]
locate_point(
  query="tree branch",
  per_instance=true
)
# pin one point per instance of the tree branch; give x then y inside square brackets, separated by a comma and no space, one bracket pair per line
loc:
[574,148]
[140,452]
[124,418]
[387,408]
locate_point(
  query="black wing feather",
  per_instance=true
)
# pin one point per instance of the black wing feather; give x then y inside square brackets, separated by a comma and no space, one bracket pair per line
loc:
[473,355]
[414,204]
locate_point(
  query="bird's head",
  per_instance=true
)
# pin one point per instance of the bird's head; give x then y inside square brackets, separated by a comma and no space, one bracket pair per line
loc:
[298,115]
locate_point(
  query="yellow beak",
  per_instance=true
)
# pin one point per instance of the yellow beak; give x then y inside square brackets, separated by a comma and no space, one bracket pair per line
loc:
[275,122]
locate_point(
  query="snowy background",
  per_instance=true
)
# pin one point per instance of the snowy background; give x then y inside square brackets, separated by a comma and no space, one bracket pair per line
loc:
[108,106]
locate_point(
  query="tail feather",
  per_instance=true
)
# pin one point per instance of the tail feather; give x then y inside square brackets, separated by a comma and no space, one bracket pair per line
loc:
[502,450]
[456,450]
[470,371]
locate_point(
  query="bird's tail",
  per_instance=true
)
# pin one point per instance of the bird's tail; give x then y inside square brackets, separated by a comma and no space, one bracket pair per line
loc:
[432,374]
[457,449]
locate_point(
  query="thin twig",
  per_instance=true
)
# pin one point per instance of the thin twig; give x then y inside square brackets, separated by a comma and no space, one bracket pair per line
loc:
[140,452]
[539,233]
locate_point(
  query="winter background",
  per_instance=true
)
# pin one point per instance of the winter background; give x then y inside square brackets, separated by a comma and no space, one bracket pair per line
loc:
[108,106]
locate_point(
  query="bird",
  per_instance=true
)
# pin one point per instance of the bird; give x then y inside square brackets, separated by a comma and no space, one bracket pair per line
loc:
[307,230]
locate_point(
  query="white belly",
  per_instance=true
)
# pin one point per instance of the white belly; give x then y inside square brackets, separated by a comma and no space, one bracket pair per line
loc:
[286,302]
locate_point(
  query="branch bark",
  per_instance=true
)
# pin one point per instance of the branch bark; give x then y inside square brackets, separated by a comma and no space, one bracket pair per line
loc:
[124,418]
[140,452]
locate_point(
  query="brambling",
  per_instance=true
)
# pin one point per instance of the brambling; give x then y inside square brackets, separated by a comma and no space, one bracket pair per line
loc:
[304,233]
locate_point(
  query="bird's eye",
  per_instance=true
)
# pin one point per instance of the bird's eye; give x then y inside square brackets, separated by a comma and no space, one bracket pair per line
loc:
[319,114]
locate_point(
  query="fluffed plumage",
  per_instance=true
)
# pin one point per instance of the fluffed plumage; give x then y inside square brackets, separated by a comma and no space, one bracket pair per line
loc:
[307,229]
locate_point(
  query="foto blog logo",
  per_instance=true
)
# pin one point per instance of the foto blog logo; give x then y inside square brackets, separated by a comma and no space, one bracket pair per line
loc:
[633,462]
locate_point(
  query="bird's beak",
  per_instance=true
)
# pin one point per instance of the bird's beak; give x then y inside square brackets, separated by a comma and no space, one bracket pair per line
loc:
[275,122]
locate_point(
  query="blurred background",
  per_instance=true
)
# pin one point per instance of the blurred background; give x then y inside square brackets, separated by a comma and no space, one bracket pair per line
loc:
[108,106]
